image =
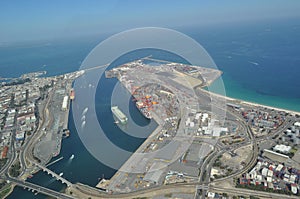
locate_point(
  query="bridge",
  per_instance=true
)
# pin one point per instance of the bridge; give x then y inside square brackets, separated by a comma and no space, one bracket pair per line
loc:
[53,174]
[38,189]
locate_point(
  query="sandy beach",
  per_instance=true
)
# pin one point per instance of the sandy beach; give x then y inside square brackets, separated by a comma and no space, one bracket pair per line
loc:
[251,103]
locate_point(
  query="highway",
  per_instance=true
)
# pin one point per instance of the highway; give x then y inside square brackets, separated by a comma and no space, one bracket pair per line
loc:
[26,156]
[175,188]
[27,151]
[208,162]
[11,159]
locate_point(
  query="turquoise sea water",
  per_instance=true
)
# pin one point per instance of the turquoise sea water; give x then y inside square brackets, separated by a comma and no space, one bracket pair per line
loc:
[260,64]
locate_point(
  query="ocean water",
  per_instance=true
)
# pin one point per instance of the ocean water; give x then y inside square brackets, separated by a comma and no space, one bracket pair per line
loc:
[260,63]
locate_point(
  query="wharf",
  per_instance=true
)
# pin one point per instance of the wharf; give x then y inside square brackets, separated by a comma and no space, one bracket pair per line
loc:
[50,143]
[137,155]
[127,166]
[148,160]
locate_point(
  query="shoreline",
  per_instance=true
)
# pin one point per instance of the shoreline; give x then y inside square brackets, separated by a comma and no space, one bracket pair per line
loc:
[232,100]
[109,184]
[241,101]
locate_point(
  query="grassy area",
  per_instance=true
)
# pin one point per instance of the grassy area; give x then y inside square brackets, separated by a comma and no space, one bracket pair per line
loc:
[261,188]
[253,197]
[15,169]
[293,151]
[217,162]
[140,198]
[3,162]
[2,184]
[168,195]
[5,191]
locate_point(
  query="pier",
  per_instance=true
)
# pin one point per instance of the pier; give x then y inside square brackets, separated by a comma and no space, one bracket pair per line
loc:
[53,162]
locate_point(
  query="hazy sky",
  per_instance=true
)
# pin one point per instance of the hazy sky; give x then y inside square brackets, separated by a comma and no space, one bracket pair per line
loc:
[42,19]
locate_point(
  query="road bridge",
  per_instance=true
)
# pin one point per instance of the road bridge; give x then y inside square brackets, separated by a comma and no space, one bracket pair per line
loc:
[53,174]
[38,189]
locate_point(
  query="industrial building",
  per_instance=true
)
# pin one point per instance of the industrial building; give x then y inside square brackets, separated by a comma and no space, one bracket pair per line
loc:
[64,106]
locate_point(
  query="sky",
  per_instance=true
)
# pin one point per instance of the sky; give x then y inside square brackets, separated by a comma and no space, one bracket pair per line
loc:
[41,19]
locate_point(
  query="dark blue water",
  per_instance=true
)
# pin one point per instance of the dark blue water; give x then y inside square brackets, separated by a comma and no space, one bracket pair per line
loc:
[260,64]
[79,168]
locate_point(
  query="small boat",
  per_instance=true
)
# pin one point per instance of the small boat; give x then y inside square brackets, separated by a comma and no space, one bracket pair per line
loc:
[116,122]
[61,174]
[72,157]
[83,124]
[85,111]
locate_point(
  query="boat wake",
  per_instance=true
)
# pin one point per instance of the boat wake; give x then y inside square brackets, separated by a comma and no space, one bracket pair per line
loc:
[70,159]
[254,63]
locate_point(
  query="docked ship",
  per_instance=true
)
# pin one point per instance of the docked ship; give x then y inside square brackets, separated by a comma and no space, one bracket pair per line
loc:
[119,114]
[72,94]
[143,109]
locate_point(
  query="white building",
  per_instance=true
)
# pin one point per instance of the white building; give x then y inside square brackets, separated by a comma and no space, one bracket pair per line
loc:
[264,171]
[297,124]
[65,103]
[282,148]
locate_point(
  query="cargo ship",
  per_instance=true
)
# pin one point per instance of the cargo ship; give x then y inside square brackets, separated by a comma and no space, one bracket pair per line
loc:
[72,94]
[119,114]
[143,109]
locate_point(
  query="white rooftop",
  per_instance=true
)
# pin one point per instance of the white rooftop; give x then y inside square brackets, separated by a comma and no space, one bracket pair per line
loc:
[297,124]
[282,148]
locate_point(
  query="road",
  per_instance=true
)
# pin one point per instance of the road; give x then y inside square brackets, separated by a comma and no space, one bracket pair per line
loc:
[26,156]
[208,163]
[10,160]
[27,152]
[248,192]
